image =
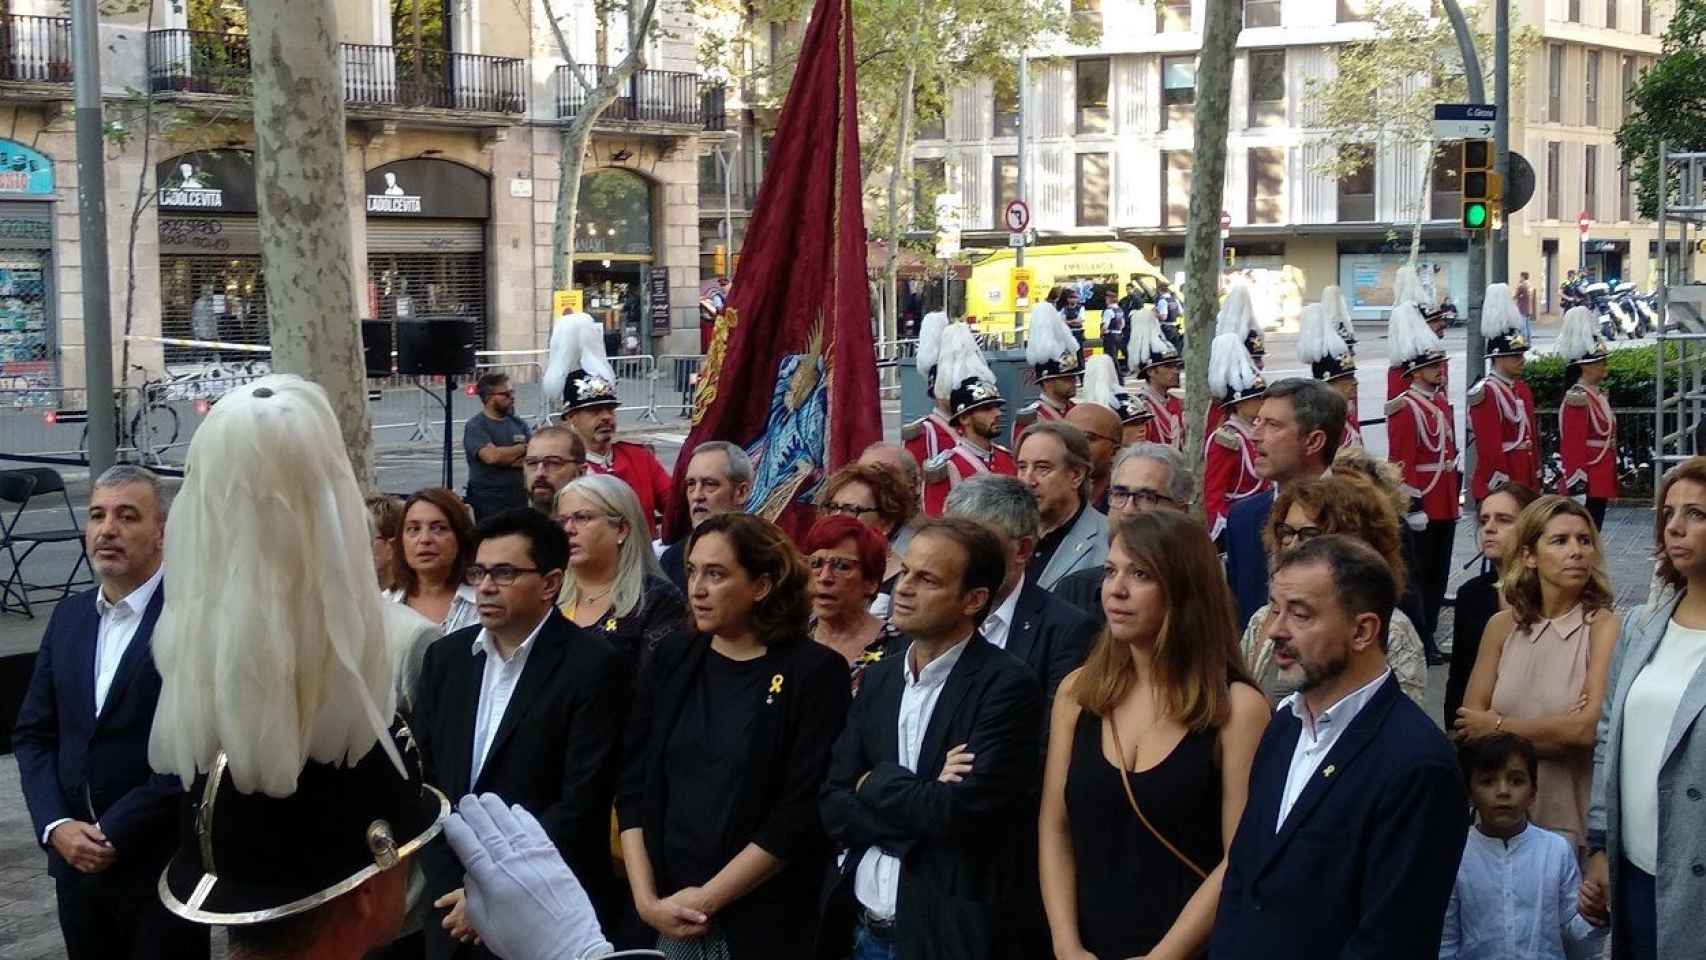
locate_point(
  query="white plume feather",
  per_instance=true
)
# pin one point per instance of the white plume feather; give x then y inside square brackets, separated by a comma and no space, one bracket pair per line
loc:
[1338,311]
[1229,365]
[1499,314]
[1407,287]
[1317,339]
[1101,382]
[1147,340]
[930,339]
[1237,313]
[1579,334]
[959,358]
[1409,334]
[1048,337]
[274,648]
[577,343]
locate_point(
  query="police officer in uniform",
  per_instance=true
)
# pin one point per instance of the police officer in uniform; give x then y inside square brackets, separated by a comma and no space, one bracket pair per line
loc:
[1230,471]
[1587,428]
[1501,407]
[1422,441]
[930,434]
[1056,360]
[976,405]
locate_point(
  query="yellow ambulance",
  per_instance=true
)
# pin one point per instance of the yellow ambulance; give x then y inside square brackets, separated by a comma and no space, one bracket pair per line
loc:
[989,292]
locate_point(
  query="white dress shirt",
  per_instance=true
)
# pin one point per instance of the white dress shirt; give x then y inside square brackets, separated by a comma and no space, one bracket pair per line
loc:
[497,686]
[1654,695]
[877,882]
[1317,737]
[464,608]
[1516,900]
[119,622]
[999,623]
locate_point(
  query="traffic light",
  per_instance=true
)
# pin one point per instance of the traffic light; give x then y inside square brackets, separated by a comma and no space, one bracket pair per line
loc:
[1480,184]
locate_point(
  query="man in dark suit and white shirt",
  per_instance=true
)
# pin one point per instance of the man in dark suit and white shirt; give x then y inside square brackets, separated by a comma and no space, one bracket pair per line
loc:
[525,706]
[928,786]
[109,823]
[1356,816]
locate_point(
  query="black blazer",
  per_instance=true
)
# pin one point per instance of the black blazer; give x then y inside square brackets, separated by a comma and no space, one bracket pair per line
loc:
[1477,601]
[72,763]
[1082,590]
[1052,636]
[777,806]
[660,613]
[1365,862]
[954,841]
[674,563]
[556,751]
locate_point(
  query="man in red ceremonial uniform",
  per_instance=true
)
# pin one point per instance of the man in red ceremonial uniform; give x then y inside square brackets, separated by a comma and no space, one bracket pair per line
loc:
[1157,362]
[930,434]
[977,415]
[1587,428]
[1230,471]
[1501,407]
[1421,440]
[1056,360]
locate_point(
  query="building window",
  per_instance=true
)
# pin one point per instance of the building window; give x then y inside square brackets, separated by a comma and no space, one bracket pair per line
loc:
[1590,99]
[1356,188]
[1555,83]
[1175,187]
[1006,181]
[1267,88]
[1590,182]
[1574,13]
[1092,96]
[1178,91]
[1624,193]
[1445,199]
[1006,90]
[929,177]
[1261,13]
[930,111]
[1172,16]
[1267,185]
[1647,16]
[1554,176]
[1350,11]
[1088,12]
[1611,14]
[1626,85]
[1093,181]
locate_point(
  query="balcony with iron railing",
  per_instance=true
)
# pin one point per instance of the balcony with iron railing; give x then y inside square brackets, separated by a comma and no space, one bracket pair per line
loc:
[36,49]
[198,61]
[659,98]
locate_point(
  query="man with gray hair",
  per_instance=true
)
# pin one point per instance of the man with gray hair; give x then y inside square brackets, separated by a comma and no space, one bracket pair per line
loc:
[107,821]
[718,480]
[1054,462]
[1146,476]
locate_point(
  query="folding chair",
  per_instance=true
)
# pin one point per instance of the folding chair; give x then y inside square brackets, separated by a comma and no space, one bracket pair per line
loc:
[20,487]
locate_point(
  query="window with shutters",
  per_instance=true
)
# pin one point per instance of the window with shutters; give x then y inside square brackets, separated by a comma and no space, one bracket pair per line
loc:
[1267,185]
[1590,96]
[1178,91]
[1356,184]
[1175,187]
[1267,88]
[1092,77]
[1093,189]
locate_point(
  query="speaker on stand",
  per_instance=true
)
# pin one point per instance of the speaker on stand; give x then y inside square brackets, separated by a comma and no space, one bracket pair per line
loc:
[439,347]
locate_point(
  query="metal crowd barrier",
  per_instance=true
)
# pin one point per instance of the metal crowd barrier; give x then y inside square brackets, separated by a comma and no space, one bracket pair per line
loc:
[676,392]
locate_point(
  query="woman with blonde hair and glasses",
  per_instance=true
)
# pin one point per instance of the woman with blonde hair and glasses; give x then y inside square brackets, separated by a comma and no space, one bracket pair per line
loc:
[1149,753]
[1542,668]
[614,583]
[1353,506]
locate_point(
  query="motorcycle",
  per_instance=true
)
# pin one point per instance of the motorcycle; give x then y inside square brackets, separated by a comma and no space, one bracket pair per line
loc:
[1622,305]
[1571,294]
[1647,304]
[1597,297]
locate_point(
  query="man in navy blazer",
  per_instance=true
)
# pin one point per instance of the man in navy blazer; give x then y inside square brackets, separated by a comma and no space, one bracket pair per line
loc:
[108,822]
[1357,814]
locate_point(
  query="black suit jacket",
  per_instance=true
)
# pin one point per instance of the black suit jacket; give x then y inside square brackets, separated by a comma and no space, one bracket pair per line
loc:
[1052,636]
[1364,863]
[674,563]
[556,751]
[777,805]
[75,764]
[1246,557]
[955,840]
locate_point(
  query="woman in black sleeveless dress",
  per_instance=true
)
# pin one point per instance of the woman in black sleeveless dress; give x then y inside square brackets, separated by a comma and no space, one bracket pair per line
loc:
[1149,753]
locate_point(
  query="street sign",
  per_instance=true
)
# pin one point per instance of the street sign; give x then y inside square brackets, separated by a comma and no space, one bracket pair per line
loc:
[1017,216]
[1584,222]
[1015,239]
[1019,286]
[1463,121]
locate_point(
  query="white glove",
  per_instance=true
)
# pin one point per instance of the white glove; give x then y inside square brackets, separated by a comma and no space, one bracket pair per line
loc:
[523,900]
[1417,521]
[1581,498]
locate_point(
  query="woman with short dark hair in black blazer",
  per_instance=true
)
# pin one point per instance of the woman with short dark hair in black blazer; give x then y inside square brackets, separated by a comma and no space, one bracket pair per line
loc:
[727,745]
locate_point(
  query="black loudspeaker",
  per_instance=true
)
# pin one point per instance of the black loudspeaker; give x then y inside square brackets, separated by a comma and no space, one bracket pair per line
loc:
[436,347]
[376,345]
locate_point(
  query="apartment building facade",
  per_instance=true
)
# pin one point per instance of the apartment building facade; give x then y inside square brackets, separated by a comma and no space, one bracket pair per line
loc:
[453,110]
[1110,147]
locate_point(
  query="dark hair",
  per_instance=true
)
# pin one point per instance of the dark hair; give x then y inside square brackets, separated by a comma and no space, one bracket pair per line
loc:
[1361,579]
[461,525]
[1516,491]
[986,559]
[547,544]
[763,550]
[1317,406]
[1694,471]
[872,549]
[896,505]
[1497,750]
[488,384]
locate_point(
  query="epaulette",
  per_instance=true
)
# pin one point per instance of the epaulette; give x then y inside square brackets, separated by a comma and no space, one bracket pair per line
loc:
[912,431]
[1394,405]
[1228,437]
[1024,418]
[1476,392]
[1576,396]
[936,468]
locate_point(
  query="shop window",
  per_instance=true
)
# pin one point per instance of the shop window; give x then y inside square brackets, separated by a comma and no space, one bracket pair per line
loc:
[615,214]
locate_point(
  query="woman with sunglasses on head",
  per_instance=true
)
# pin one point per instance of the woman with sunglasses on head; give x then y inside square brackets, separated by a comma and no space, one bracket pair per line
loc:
[435,547]
[1149,753]
[845,561]
[728,743]
[1542,668]
[878,499]
[1478,597]
[614,584]
[1353,506]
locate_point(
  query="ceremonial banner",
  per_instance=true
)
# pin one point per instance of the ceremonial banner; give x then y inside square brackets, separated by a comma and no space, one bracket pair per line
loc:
[791,372]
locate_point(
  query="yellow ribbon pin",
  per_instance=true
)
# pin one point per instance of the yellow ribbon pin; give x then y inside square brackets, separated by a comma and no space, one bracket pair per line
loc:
[610,625]
[1329,771]
[775,688]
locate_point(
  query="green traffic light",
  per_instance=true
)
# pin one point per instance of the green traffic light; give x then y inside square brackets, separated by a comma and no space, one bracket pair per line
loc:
[1475,215]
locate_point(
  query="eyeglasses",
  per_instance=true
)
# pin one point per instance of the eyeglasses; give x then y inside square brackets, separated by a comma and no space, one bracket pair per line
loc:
[1287,534]
[574,521]
[1145,497]
[848,509]
[841,565]
[552,463]
[503,574]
